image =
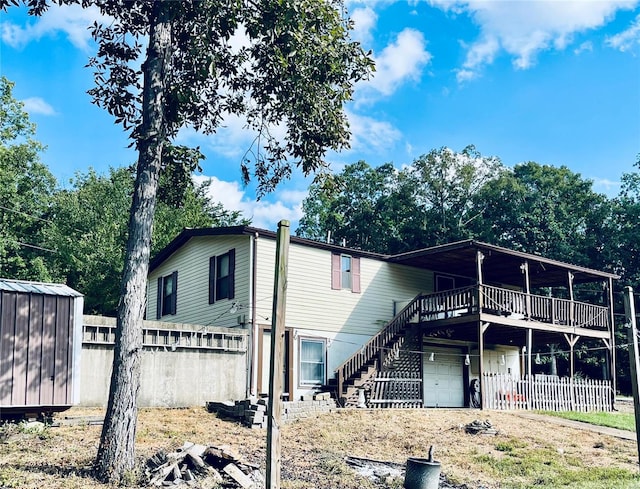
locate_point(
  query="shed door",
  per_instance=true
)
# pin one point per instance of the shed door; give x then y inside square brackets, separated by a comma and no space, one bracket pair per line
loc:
[443,380]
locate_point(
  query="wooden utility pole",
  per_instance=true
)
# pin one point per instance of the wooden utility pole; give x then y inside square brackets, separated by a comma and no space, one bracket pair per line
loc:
[634,358]
[276,367]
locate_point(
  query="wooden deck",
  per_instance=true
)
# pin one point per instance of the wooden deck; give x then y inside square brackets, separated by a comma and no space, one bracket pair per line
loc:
[457,314]
[513,308]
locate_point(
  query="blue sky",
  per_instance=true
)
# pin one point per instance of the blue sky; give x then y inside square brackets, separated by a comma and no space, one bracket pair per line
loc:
[556,82]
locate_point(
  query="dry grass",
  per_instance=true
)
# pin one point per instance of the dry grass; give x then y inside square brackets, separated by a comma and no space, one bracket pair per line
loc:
[314,449]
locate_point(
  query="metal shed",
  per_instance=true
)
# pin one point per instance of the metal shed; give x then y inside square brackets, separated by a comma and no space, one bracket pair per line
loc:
[40,344]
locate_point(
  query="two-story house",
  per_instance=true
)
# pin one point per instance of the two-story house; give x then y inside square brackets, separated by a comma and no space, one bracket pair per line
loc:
[441,318]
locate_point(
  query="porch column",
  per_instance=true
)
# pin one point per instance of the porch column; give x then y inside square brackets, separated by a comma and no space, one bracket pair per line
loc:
[612,345]
[572,340]
[482,327]
[572,308]
[527,288]
[529,377]
[479,260]
[529,343]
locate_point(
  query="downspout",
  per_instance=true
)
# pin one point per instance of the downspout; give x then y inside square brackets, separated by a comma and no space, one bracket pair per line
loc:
[528,313]
[251,382]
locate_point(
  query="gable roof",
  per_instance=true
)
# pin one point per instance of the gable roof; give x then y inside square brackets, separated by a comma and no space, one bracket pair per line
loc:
[188,233]
[24,286]
[458,258]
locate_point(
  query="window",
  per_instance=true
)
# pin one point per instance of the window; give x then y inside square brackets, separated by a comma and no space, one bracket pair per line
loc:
[345,272]
[222,276]
[445,282]
[167,295]
[312,361]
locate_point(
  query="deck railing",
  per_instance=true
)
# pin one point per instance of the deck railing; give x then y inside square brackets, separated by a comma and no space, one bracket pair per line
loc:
[546,392]
[470,300]
[449,303]
[544,309]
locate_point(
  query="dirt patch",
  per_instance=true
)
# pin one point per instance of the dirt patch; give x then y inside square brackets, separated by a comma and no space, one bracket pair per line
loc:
[314,449]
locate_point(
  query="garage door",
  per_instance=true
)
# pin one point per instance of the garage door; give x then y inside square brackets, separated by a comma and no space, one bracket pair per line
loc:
[443,384]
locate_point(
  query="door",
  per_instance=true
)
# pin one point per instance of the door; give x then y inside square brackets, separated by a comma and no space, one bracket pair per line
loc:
[264,362]
[443,377]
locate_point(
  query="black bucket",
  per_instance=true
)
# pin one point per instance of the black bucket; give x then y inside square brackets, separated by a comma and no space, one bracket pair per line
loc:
[422,473]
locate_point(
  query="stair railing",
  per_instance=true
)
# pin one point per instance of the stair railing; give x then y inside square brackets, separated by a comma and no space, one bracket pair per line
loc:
[377,343]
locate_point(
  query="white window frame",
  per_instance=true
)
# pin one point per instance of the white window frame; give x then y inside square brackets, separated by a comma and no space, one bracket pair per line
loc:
[312,382]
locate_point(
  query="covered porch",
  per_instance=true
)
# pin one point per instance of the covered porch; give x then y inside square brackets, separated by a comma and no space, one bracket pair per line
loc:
[492,313]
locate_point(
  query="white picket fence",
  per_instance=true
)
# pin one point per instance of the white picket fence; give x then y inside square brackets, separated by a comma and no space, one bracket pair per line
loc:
[547,393]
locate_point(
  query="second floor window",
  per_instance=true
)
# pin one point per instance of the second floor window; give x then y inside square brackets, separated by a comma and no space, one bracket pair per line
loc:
[345,272]
[222,276]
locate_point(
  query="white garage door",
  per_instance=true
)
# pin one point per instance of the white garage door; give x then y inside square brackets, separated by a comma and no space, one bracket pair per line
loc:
[443,384]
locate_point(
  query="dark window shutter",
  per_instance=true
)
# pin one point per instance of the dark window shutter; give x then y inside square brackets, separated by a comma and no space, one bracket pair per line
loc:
[232,273]
[159,294]
[212,280]
[335,271]
[174,296]
[355,275]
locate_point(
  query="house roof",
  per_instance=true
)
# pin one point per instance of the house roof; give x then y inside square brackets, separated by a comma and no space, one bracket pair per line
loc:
[500,264]
[457,258]
[37,288]
[189,233]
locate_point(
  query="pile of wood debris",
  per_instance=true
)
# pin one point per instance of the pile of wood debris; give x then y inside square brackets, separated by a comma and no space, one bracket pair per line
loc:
[202,467]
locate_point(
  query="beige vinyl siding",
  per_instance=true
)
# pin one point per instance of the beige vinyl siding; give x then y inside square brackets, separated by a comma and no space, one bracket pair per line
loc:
[191,262]
[313,305]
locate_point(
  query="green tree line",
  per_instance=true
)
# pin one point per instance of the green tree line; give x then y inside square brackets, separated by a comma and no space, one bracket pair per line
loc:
[77,233]
[446,196]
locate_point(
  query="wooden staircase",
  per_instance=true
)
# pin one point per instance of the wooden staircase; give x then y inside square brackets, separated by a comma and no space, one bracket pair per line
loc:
[359,370]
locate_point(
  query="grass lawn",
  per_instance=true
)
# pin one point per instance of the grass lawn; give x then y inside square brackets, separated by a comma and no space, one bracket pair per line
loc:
[619,420]
[521,454]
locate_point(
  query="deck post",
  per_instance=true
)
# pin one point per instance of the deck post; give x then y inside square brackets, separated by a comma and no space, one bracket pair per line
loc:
[479,260]
[482,327]
[572,321]
[527,289]
[529,350]
[529,374]
[612,347]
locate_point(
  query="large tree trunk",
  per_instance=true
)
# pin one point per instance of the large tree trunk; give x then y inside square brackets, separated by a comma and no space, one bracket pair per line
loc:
[115,461]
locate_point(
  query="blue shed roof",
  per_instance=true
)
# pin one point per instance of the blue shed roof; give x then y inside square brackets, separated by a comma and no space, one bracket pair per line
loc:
[37,288]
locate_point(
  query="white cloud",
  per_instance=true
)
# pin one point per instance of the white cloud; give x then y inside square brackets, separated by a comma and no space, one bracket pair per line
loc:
[364,20]
[71,20]
[264,213]
[36,105]
[371,135]
[523,29]
[466,75]
[585,46]
[626,40]
[401,60]
[606,186]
